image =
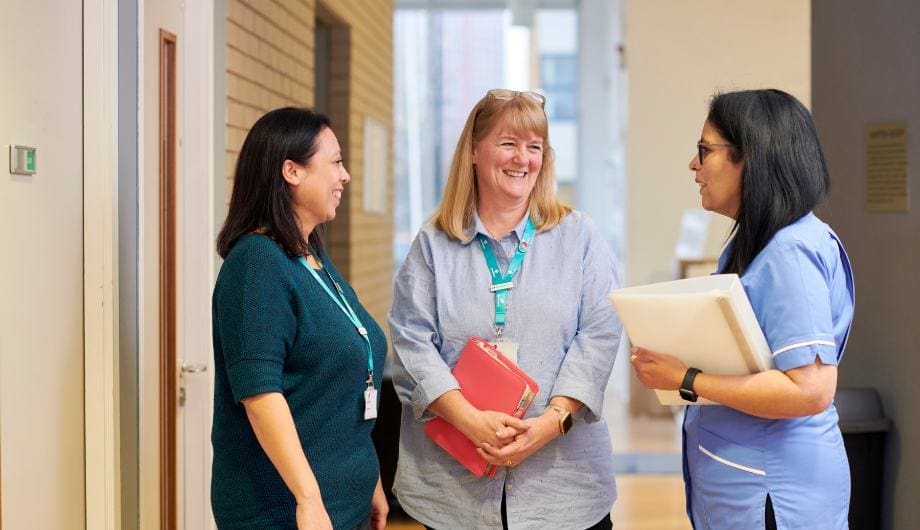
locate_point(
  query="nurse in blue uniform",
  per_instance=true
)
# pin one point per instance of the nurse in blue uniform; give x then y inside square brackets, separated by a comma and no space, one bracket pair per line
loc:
[771,455]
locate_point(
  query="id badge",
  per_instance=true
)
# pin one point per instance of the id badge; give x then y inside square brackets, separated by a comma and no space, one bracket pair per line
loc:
[508,348]
[370,403]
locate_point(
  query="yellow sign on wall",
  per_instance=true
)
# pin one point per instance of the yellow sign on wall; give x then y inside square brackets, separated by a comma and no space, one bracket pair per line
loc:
[887,184]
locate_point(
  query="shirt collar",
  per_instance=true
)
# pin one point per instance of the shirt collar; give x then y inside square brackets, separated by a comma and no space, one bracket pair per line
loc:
[478,228]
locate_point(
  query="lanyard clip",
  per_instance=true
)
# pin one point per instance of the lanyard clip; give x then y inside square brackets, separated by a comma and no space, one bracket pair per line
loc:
[498,331]
[370,379]
[501,286]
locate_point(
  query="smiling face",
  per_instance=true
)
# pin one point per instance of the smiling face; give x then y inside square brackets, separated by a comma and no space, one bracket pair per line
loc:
[718,176]
[507,165]
[317,187]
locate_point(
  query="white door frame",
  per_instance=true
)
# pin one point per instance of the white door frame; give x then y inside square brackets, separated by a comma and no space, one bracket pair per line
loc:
[197,233]
[100,245]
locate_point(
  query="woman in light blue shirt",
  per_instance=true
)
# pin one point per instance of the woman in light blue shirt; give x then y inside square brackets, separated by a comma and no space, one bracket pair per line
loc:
[771,455]
[555,466]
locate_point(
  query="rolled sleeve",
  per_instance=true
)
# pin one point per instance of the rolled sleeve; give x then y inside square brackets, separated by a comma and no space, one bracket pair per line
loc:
[590,357]
[420,374]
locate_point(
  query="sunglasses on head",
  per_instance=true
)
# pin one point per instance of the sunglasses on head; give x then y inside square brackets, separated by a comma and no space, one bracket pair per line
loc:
[505,94]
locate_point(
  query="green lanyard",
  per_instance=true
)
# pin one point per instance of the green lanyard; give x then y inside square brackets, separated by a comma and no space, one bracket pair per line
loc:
[501,284]
[349,312]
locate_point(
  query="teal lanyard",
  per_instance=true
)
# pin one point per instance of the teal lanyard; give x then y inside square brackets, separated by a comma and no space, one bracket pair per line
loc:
[343,304]
[502,284]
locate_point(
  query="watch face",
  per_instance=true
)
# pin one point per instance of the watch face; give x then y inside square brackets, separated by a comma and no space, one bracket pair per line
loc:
[566,423]
[687,395]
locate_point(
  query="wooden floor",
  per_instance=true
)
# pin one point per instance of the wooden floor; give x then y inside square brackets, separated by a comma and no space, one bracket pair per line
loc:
[644,501]
[650,502]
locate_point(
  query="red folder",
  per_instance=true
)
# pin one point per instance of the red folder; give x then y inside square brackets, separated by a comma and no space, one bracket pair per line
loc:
[489,381]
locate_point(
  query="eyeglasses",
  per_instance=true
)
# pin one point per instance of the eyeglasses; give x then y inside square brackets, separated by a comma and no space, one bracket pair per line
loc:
[505,94]
[701,147]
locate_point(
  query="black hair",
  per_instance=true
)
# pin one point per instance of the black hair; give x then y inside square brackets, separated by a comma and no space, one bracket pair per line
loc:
[784,174]
[261,199]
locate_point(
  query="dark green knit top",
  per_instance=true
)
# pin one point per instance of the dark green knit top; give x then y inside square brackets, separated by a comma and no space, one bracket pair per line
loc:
[277,330]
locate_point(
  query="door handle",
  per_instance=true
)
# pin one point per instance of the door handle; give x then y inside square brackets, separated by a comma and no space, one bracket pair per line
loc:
[193,368]
[188,369]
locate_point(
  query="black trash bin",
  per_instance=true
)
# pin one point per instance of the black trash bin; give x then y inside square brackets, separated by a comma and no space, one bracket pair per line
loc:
[864,426]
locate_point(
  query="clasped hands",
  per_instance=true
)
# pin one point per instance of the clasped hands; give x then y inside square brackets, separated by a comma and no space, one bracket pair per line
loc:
[503,440]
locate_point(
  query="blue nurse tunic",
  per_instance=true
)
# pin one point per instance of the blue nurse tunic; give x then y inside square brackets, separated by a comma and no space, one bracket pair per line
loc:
[801,289]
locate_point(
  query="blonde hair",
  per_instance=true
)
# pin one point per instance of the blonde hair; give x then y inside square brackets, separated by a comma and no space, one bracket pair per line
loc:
[519,114]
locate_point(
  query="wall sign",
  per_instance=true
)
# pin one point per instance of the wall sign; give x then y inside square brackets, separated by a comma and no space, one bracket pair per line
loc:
[887,185]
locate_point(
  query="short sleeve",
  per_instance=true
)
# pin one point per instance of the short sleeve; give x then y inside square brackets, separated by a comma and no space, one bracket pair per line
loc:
[790,294]
[255,317]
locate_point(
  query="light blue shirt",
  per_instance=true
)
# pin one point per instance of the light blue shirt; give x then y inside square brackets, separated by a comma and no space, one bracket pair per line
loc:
[801,289]
[568,334]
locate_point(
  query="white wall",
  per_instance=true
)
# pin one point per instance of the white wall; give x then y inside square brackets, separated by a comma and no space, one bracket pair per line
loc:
[41,270]
[678,53]
[865,69]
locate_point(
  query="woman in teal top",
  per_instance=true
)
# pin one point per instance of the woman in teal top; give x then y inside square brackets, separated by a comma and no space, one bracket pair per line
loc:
[770,455]
[298,360]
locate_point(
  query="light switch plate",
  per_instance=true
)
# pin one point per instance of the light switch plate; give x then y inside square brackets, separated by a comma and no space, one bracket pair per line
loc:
[22,160]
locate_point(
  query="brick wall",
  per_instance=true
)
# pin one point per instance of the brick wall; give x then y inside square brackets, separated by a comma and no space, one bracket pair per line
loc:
[270,63]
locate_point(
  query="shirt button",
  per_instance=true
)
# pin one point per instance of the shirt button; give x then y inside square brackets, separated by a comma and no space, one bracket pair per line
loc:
[508,487]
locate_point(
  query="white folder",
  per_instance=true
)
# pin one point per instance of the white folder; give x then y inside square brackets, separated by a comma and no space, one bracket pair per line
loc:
[707,322]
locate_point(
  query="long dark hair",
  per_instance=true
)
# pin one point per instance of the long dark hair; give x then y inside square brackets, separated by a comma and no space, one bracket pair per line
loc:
[784,175]
[261,199]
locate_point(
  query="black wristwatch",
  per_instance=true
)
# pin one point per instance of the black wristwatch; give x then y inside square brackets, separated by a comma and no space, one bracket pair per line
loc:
[686,388]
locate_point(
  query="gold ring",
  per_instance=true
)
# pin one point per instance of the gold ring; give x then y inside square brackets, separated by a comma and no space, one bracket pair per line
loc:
[510,463]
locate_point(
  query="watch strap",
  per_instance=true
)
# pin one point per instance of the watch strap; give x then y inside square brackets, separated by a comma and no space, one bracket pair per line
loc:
[686,387]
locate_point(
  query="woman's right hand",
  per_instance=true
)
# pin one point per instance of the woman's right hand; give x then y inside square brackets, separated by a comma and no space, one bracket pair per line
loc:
[311,515]
[480,426]
[488,426]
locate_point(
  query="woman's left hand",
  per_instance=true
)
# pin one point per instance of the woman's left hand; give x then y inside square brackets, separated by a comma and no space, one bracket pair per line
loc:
[657,370]
[542,430]
[379,508]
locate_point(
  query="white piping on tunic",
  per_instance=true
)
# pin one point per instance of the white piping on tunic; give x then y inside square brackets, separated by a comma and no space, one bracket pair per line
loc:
[800,344]
[732,464]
